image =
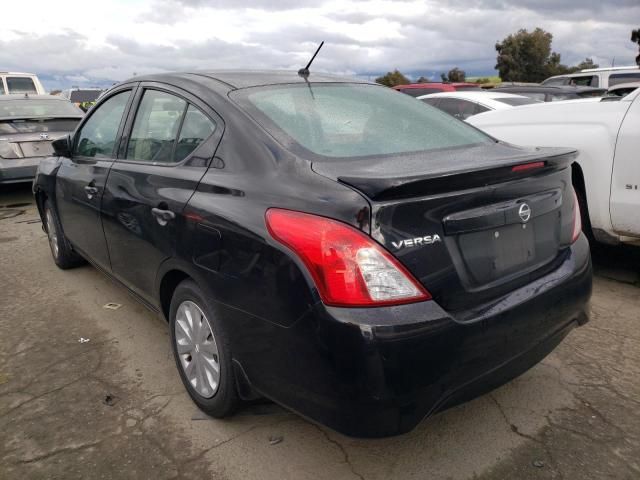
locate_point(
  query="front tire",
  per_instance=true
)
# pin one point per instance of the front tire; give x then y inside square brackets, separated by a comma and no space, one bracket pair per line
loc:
[201,351]
[61,251]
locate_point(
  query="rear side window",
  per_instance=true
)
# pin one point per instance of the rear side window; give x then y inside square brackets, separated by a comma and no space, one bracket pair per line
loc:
[155,129]
[98,135]
[353,120]
[20,85]
[618,78]
[166,129]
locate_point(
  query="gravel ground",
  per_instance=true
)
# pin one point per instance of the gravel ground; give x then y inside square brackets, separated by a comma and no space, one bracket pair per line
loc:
[89,392]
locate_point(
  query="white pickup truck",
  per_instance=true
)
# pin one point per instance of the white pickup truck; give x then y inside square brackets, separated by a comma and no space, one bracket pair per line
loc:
[606,173]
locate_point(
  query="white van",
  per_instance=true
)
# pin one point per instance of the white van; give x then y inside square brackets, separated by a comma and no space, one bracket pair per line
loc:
[16,82]
[597,77]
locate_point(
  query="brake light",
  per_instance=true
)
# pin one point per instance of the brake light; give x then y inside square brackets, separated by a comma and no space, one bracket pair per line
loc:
[348,267]
[577,218]
[527,166]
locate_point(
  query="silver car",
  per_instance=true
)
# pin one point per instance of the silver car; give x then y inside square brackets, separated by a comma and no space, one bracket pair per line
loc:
[28,124]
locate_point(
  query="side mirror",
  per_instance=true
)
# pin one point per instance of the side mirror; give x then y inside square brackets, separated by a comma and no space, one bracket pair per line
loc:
[62,146]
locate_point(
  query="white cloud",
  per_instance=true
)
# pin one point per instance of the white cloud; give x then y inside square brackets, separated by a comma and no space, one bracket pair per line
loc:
[104,42]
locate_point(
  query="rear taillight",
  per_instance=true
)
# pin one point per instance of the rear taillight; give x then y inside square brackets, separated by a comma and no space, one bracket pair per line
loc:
[577,218]
[348,267]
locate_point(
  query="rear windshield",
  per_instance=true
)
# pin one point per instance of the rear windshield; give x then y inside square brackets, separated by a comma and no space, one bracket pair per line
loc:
[514,102]
[462,88]
[353,120]
[31,126]
[20,85]
[33,107]
[417,92]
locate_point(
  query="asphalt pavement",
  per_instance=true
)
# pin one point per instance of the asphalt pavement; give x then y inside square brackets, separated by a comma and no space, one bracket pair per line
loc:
[90,392]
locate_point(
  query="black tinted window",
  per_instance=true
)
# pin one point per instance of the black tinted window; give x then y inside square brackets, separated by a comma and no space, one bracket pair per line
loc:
[98,135]
[155,129]
[196,128]
[617,78]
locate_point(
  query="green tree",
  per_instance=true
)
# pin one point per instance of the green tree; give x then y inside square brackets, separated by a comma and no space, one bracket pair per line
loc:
[456,75]
[586,63]
[635,38]
[527,57]
[423,80]
[391,79]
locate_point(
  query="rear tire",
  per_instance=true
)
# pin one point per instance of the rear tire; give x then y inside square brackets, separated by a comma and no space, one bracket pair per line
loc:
[61,251]
[200,345]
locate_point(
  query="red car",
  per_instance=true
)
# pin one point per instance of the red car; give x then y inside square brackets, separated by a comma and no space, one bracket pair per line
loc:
[418,89]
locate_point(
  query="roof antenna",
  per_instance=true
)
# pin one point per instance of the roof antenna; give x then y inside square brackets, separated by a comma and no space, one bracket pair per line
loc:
[304,72]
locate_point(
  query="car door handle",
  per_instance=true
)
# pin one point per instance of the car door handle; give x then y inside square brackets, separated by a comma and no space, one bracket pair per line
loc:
[91,191]
[163,216]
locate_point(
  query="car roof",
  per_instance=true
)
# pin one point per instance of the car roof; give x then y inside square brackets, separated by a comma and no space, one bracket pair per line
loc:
[22,96]
[17,73]
[472,95]
[236,79]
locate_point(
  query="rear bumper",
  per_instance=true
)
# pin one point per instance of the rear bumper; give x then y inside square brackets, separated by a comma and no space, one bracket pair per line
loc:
[379,372]
[19,169]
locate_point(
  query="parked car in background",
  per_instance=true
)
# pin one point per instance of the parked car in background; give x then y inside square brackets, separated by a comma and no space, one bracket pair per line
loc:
[622,89]
[323,242]
[463,105]
[17,82]
[419,89]
[606,173]
[84,98]
[597,77]
[547,93]
[28,125]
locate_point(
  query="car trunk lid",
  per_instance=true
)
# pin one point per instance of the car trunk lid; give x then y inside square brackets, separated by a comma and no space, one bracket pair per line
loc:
[470,224]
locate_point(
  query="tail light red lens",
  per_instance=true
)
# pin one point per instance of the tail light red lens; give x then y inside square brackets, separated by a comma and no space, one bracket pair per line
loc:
[577,218]
[348,267]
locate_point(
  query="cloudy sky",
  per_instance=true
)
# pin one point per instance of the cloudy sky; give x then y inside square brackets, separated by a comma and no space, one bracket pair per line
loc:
[86,42]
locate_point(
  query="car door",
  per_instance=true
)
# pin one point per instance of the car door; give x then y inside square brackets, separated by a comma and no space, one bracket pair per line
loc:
[625,181]
[167,148]
[81,179]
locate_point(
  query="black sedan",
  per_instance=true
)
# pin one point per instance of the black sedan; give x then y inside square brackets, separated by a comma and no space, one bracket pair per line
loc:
[357,256]
[28,124]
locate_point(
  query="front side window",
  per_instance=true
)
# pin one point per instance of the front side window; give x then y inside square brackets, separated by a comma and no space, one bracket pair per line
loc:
[97,138]
[584,81]
[353,120]
[20,85]
[2,92]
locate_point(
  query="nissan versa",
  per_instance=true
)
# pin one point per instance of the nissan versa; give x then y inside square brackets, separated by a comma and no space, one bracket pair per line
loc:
[353,254]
